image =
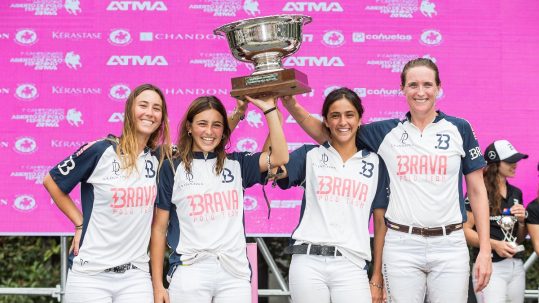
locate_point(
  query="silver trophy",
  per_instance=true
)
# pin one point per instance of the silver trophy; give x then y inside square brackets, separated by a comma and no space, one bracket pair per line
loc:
[507,224]
[265,42]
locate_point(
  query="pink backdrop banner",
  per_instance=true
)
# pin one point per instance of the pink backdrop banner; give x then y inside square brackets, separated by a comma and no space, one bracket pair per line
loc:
[68,66]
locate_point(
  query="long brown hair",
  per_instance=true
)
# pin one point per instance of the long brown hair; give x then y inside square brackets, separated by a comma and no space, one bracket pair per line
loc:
[490,174]
[185,141]
[128,145]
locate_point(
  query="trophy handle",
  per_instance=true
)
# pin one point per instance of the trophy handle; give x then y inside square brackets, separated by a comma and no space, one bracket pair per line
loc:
[219,31]
[306,19]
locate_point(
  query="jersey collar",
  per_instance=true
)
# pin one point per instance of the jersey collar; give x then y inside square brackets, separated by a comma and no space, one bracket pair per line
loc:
[364,152]
[438,117]
[200,155]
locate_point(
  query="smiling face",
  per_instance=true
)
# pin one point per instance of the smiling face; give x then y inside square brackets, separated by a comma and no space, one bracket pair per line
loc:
[421,90]
[343,121]
[206,130]
[147,113]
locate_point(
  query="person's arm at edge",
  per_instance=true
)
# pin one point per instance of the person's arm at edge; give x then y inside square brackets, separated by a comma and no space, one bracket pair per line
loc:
[378,247]
[533,229]
[157,253]
[479,204]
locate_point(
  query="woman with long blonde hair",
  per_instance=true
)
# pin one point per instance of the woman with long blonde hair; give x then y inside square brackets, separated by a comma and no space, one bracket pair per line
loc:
[109,259]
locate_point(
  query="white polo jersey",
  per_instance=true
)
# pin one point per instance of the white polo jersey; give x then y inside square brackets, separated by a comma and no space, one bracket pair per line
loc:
[338,198]
[425,168]
[206,210]
[117,208]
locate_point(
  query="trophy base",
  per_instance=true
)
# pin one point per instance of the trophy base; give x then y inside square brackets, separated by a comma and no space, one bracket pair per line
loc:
[518,248]
[286,82]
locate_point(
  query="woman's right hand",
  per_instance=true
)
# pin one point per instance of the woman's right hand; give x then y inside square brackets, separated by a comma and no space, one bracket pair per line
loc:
[288,101]
[76,242]
[263,103]
[160,295]
[504,249]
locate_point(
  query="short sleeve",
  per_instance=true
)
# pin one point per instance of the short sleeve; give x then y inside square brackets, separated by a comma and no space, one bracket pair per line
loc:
[295,168]
[533,212]
[165,185]
[79,166]
[250,168]
[381,198]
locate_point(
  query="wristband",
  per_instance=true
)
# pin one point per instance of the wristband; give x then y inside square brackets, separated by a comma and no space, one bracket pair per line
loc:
[270,110]
[379,286]
[78,227]
[304,119]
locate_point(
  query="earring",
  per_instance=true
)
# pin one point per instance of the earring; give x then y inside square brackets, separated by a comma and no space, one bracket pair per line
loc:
[189,133]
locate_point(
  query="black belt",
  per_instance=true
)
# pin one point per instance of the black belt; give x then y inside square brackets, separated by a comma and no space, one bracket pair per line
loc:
[424,231]
[120,269]
[320,250]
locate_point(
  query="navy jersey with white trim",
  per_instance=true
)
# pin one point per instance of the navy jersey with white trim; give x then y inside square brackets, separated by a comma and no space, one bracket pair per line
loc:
[338,199]
[117,206]
[206,210]
[425,167]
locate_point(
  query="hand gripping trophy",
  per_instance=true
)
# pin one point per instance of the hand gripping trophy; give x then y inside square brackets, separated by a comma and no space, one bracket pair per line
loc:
[507,224]
[265,41]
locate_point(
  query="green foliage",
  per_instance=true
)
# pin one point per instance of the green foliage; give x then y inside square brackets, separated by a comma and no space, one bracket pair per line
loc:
[35,262]
[29,262]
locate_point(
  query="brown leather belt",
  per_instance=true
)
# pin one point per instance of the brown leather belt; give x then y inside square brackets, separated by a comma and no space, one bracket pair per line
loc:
[424,231]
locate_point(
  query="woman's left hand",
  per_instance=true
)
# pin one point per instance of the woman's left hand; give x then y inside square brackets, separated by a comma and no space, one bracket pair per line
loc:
[263,103]
[377,292]
[519,212]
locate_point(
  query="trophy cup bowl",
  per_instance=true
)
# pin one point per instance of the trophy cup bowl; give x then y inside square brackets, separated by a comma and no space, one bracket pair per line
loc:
[265,41]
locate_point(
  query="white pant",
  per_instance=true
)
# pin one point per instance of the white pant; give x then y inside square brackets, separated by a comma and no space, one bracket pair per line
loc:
[323,279]
[508,281]
[132,286]
[205,281]
[414,265]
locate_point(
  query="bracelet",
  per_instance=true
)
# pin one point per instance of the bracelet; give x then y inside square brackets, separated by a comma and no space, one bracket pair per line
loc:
[305,119]
[235,112]
[78,227]
[379,286]
[270,110]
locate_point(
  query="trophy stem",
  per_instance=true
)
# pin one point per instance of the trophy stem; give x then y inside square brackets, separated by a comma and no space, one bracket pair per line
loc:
[267,62]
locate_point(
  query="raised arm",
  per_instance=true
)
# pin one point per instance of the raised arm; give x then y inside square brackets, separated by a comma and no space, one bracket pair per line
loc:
[237,114]
[279,149]
[479,203]
[312,126]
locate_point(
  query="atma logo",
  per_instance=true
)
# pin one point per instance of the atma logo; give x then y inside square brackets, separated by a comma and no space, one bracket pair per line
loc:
[137,60]
[137,6]
[313,61]
[313,7]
